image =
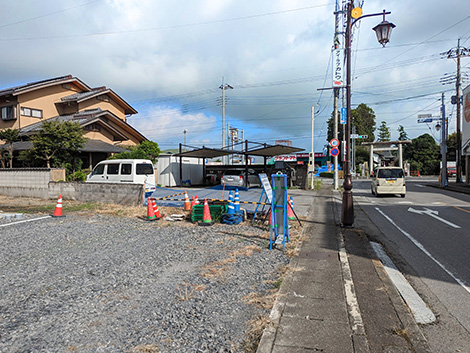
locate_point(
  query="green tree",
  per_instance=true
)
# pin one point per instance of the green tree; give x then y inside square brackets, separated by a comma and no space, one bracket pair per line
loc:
[423,154]
[384,132]
[10,136]
[452,147]
[403,136]
[146,150]
[363,118]
[56,142]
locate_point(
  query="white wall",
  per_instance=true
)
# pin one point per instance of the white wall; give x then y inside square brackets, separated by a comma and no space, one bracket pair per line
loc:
[168,171]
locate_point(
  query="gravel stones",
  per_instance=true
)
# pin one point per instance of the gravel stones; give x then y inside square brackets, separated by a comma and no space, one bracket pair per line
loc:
[108,284]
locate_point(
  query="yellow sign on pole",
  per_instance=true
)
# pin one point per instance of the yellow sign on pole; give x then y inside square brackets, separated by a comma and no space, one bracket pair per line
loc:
[356,12]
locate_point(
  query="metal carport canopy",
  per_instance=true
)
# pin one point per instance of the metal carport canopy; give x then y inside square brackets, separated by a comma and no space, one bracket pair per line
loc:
[260,150]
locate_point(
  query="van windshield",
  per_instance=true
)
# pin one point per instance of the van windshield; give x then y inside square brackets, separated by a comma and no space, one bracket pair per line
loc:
[390,173]
[99,169]
[144,169]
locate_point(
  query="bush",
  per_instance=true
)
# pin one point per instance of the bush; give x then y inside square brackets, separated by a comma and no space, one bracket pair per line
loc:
[77,176]
[327,174]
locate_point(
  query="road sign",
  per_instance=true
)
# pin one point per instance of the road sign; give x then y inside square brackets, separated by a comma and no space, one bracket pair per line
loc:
[425,118]
[343,118]
[357,136]
[334,143]
[334,151]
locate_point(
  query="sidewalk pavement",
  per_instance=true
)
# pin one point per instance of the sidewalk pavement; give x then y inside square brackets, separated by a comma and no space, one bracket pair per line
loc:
[453,186]
[336,297]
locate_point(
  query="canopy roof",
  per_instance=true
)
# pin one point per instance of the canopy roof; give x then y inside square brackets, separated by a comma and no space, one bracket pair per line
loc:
[246,148]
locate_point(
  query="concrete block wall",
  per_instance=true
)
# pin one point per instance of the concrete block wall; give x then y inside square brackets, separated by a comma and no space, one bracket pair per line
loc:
[39,183]
[118,193]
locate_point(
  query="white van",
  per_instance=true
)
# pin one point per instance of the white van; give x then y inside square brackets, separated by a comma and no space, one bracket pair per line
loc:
[388,180]
[135,171]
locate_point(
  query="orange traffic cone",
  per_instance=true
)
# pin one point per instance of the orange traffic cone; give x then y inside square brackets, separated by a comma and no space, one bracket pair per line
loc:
[155,209]
[196,200]
[193,202]
[150,213]
[58,208]
[187,204]
[290,209]
[206,216]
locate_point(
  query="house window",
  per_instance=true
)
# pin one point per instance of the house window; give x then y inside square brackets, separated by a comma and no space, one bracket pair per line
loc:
[35,113]
[9,113]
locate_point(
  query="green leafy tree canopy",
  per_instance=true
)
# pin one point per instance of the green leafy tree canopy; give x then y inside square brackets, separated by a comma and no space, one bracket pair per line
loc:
[384,132]
[423,154]
[10,136]
[146,150]
[57,139]
[363,118]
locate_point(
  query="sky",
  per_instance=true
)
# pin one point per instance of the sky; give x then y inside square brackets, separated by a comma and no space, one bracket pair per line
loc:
[168,59]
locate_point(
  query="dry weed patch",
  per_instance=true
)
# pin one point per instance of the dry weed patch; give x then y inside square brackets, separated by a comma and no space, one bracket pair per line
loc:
[264,301]
[253,336]
[246,251]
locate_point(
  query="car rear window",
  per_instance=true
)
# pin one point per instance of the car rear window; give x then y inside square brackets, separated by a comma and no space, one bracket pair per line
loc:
[390,173]
[233,172]
[144,168]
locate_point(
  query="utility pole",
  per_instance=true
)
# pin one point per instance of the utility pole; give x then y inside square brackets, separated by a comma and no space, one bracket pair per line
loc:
[312,161]
[444,182]
[336,45]
[456,53]
[223,87]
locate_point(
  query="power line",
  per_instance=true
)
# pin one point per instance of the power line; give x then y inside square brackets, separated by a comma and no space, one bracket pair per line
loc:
[172,26]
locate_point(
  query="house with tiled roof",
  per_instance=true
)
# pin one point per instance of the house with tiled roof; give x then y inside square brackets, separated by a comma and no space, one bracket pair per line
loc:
[100,111]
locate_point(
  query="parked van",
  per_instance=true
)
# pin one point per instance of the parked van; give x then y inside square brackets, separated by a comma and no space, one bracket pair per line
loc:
[135,171]
[388,180]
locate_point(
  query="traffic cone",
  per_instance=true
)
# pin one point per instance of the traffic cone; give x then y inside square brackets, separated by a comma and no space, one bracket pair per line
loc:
[58,208]
[150,212]
[187,204]
[196,200]
[155,209]
[206,216]
[193,202]
[237,201]
[231,207]
[290,209]
[157,212]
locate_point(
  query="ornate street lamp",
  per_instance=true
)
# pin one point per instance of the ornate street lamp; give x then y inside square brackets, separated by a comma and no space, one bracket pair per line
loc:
[383,31]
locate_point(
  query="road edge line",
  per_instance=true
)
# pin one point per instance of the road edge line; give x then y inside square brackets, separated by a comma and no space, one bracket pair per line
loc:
[421,312]
[26,220]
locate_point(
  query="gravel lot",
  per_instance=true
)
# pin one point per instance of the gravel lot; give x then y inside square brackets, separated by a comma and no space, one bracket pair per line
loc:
[110,284]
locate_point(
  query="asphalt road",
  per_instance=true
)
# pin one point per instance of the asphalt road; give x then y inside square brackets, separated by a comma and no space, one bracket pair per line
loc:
[428,236]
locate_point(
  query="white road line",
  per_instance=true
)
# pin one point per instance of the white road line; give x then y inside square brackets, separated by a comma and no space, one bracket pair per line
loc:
[351,298]
[420,186]
[423,249]
[27,220]
[422,314]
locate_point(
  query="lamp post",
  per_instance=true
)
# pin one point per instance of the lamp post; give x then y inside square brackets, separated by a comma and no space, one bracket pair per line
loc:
[383,31]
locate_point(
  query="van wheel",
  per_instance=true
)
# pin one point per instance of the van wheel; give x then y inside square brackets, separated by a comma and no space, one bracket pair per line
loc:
[402,196]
